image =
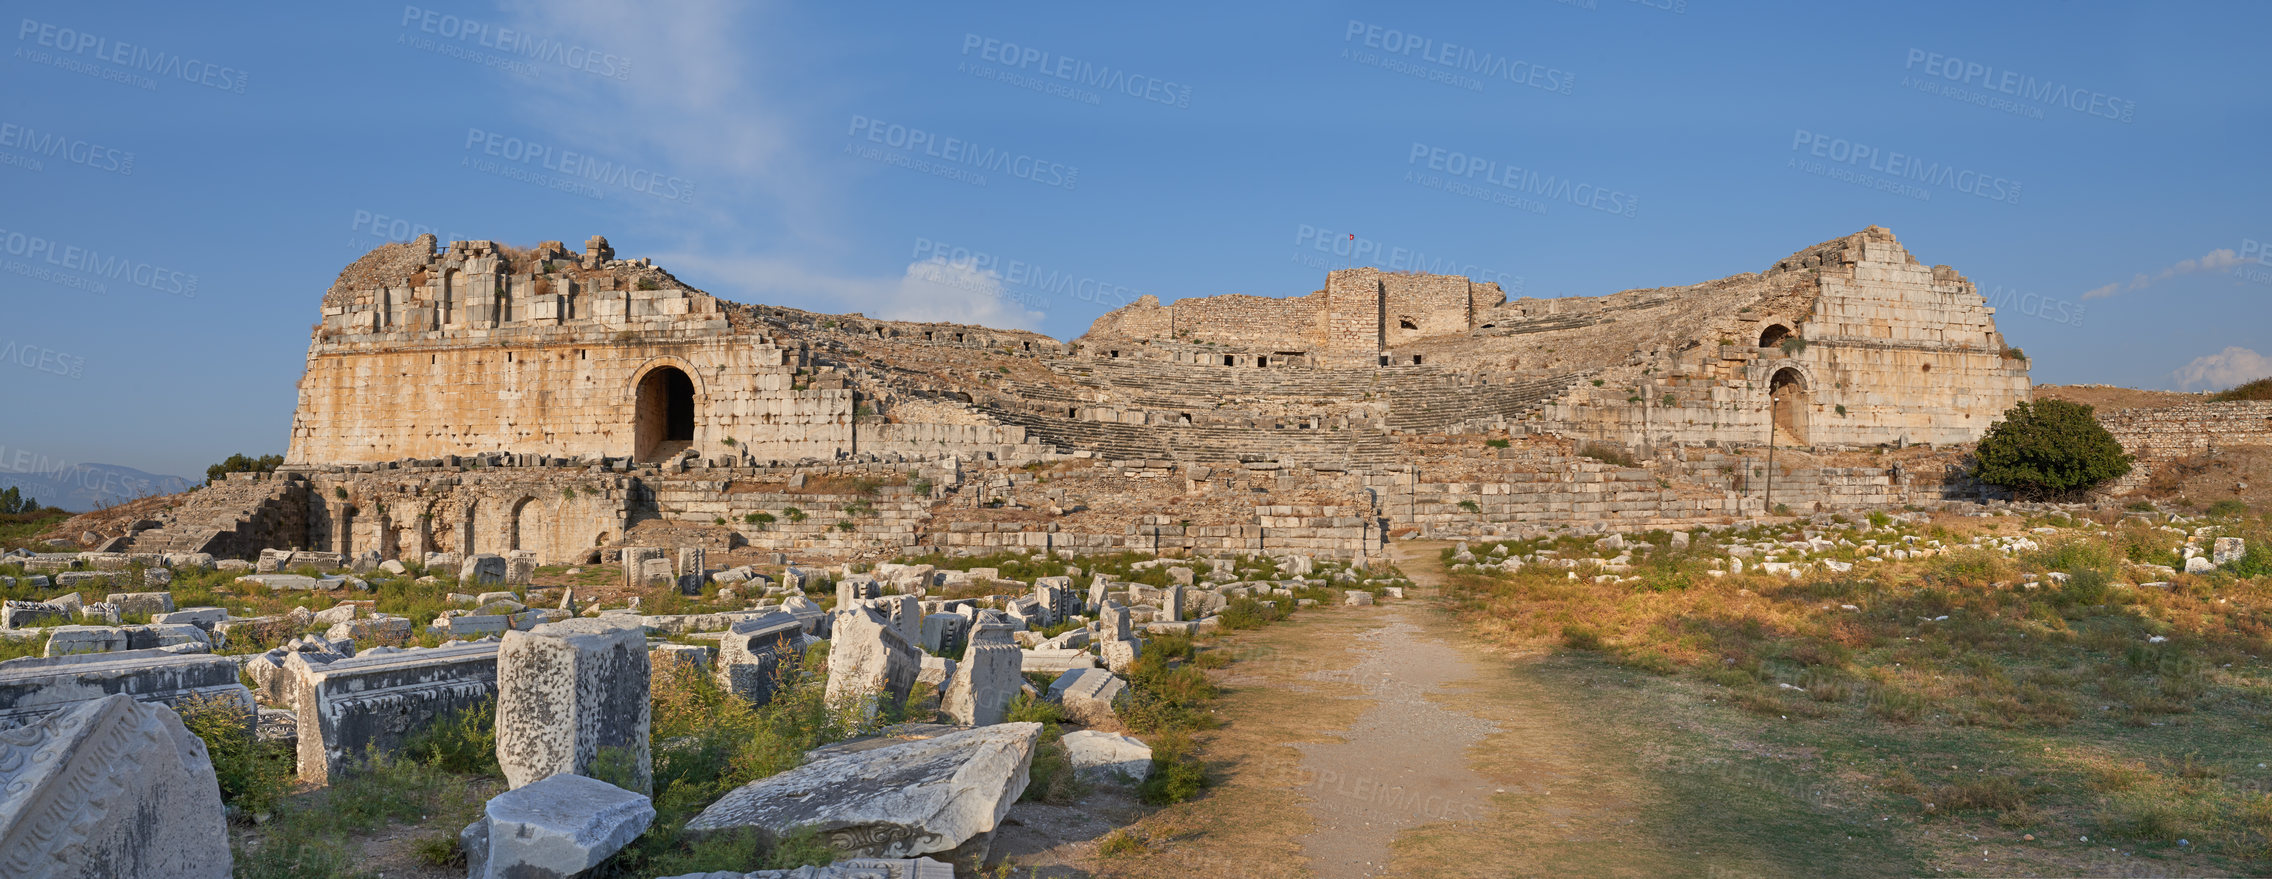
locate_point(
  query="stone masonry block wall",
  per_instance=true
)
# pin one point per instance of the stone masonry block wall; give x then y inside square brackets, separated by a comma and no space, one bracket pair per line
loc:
[2156,437]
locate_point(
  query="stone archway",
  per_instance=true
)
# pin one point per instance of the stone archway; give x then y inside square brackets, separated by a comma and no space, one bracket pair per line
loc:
[1773,335]
[1787,393]
[517,525]
[467,528]
[663,413]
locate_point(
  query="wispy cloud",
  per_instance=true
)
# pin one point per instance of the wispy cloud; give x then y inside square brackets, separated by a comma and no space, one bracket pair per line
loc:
[706,100]
[2219,260]
[928,290]
[2224,369]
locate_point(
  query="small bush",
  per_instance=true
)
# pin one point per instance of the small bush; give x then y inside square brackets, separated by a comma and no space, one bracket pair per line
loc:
[463,742]
[1177,774]
[1607,454]
[254,775]
[1051,778]
[1245,612]
[1497,443]
[1028,709]
[1122,843]
[1578,637]
[241,464]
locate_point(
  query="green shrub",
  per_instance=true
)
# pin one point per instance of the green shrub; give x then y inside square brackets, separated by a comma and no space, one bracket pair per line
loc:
[1051,778]
[463,742]
[1497,443]
[238,463]
[2048,448]
[1029,709]
[254,775]
[1246,612]
[1177,773]
[1577,637]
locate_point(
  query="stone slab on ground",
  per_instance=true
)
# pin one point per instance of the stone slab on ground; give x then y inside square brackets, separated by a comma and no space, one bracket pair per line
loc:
[1098,755]
[856,868]
[905,800]
[553,828]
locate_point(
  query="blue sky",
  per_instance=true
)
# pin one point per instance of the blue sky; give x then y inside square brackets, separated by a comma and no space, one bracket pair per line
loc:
[181,184]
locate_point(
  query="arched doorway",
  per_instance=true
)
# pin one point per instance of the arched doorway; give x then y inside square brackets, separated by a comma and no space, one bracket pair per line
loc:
[665,414]
[1788,393]
[1773,335]
[466,529]
[516,527]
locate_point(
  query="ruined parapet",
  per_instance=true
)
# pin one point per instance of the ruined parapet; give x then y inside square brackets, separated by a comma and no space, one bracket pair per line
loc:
[1352,322]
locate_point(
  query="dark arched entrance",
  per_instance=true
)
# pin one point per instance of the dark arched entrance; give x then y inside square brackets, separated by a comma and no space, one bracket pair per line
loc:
[665,416]
[1773,335]
[1788,391]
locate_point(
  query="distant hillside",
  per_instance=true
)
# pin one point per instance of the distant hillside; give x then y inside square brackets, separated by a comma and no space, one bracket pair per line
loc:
[83,487]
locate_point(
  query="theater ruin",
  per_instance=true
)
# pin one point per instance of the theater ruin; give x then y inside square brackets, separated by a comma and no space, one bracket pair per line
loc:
[484,398]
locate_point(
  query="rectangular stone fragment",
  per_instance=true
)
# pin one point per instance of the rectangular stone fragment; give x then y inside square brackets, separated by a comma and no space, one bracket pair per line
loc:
[33,688]
[376,701]
[568,691]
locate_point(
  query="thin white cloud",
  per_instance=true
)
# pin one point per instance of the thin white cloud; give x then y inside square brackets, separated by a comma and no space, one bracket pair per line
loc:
[2224,369]
[2222,259]
[928,290]
[704,100]
[698,99]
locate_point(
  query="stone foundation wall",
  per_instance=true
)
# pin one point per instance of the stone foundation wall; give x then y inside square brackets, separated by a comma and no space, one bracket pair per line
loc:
[2159,436]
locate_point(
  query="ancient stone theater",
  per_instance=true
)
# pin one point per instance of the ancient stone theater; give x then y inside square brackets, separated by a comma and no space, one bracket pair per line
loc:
[484,398]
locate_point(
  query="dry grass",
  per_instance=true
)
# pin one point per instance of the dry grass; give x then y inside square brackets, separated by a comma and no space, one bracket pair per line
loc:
[2145,703]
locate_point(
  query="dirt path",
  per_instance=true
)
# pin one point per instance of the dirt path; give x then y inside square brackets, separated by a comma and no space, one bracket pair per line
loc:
[1387,741]
[1403,762]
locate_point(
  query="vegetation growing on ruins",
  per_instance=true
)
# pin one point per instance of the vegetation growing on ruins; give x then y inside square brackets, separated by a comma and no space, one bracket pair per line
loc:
[2049,448]
[2259,391]
[2019,676]
[238,463]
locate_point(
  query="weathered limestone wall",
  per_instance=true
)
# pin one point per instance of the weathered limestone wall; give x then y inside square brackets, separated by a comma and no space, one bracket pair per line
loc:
[2157,437]
[1415,306]
[524,393]
[1893,352]
[480,348]
[1258,322]
[1348,324]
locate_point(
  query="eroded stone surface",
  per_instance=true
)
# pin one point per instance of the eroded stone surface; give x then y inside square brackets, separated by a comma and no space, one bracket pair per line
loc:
[110,789]
[897,801]
[987,679]
[553,828]
[868,662]
[567,691]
